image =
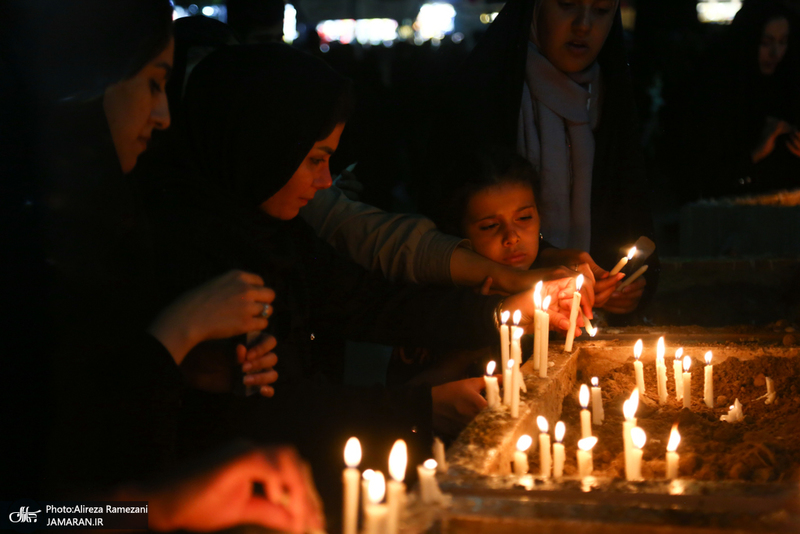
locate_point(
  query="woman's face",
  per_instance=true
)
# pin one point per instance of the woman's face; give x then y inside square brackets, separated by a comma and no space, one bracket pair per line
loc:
[312,175]
[774,42]
[138,105]
[503,225]
[571,33]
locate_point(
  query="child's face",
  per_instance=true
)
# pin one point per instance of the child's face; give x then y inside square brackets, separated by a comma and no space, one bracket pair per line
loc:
[571,33]
[503,225]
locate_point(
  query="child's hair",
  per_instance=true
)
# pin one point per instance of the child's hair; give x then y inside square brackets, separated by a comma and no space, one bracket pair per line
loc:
[477,171]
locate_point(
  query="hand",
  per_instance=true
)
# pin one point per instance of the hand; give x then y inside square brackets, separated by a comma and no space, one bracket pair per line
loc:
[560,292]
[224,498]
[258,362]
[455,404]
[773,127]
[604,287]
[793,144]
[583,263]
[350,185]
[226,306]
[627,300]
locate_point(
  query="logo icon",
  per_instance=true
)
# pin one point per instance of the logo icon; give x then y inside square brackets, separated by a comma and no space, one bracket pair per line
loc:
[24,515]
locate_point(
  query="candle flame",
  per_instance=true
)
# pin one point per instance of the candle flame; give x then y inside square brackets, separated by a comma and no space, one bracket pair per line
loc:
[660,348]
[679,353]
[593,332]
[583,396]
[517,316]
[524,442]
[537,295]
[579,282]
[376,488]
[586,444]
[366,475]
[504,316]
[630,406]
[352,452]
[595,382]
[638,437]
[430,464]
[687,362]
[708,358]
[546,302]
[561,429]
[398,460]
[674,439]
[631,253]
[542,423]
[518,333]
[637,349]
[490,368]
[510,364]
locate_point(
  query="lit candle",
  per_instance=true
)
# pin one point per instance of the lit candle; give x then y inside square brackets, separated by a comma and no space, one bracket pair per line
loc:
[623,262]
[514,389]
[428,488]
[396,489]
[365,476]
[638,367]
[521,455]
[492,389]
[661,371]
[585,461]
[598,414]
[544,337]
[516,355]
[586,422]
[591,330]
[573,313]
[537,325]
[687,382]
[350,477]
[505,338]
[376,514]
[438,455]
[708,384]
[629,408]
[676,369]
[632,278]
[672,455]
[545,459]
[558,450]
[508,382]
[638,437]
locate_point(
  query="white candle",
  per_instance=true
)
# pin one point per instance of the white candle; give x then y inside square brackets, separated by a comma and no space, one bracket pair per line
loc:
[438,455]
[516,355]
[676,369]
[558,450]
[598,414]
[521,455]
[492,388]
[771,394]
[429,492]
[687,382]
[586,422]
[544,338]
[638,367]
[376,514]
[505,339]
[508,382]
[537,325]
[514,389]
[632,278]
[638,438]
[587,324]
[365,476]
[661,372]
[545,459]
[573,313]
[735,413]
[629,408]
[396,490]
[672,455]
[350,478]
[585,461]
[623,262]
[708,383]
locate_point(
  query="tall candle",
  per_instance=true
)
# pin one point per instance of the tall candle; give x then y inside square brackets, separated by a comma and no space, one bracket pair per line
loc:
[677,367]
[521,455]
[429,492]
[687,382]
[438,455]
[492,388]
[505,338]
[365,476]
[585,461]
[638,367]
[558,450]
[632,278]
[396,489]
[629,408]
[376,514]
[573,314]
[514,389]
[623,262]
[708,383]
[661,371]
[598,414]
[537,324]
[672,455]
[350,478]
[586,422]
[544,338]
[545,459]
[638,437]
[516,355]
[508,382]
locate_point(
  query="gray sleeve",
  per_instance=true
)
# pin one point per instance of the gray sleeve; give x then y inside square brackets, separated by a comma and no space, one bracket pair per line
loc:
[402,247]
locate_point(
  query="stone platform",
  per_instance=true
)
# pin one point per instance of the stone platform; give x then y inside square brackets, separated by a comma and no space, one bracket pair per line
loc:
[485,497]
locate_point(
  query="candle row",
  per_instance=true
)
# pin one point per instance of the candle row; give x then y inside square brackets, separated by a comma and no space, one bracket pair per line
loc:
[553,461]
[681,371]
[634,438]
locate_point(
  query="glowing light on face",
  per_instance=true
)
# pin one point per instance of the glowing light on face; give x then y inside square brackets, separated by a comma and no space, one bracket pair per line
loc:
[490,368]
[352,452]
[561,429]
[524,442]
[541,422]
[674,439]
[638,437]
[637,349]
[587,444]
[583,396]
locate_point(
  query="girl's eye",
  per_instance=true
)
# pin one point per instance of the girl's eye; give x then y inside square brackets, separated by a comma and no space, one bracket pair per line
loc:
[316,161]
[488,226]
[526,218]
[566,5]
[155,88]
